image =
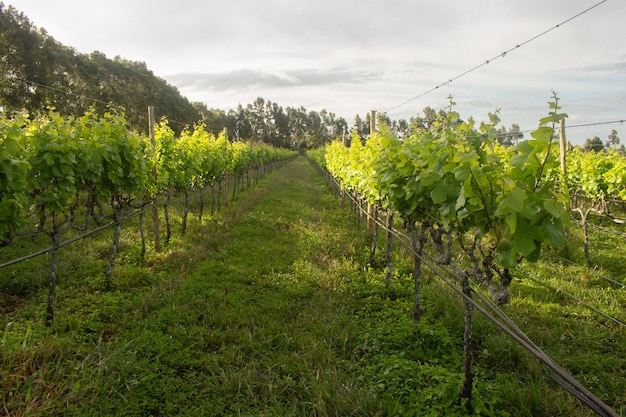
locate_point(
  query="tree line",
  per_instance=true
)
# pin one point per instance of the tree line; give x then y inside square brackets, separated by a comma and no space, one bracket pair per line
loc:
[596,144]
[37,72]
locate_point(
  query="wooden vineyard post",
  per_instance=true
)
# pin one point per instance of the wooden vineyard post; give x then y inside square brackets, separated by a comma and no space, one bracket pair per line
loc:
[225,190]
[563,148]
[371,209]
[371,217]
[155,206]
[389,271]
[342,192]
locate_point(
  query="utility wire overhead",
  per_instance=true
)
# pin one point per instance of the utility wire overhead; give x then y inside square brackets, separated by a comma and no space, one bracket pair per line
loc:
[500,55]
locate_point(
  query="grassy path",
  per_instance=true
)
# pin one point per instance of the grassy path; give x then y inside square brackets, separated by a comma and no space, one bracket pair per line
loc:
[260,329]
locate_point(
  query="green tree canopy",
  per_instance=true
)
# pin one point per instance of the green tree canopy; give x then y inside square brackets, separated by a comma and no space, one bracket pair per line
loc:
[595,144]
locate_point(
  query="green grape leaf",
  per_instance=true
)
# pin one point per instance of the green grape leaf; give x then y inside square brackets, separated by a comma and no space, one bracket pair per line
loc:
[514,202]
[439,194]
[555,233]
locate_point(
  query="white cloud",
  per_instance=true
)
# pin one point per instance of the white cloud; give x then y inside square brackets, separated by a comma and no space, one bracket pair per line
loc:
[352,56]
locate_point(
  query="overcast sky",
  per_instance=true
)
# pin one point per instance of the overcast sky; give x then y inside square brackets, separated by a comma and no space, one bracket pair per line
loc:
[352,56]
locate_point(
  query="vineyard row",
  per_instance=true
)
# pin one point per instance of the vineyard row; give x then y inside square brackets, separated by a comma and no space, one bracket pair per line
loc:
[66,174]
[471,297]
[452,185]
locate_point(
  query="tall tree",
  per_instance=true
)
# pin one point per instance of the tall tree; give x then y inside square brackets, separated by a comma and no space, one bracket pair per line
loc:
[612,141]
[256,116]
[340,126]
[298,124]
[511,136]
[243,128]
[315,130]
[279,132]
[215,120]
[20,84]
[361,127]
[402,127]
[382,118]
[595,144]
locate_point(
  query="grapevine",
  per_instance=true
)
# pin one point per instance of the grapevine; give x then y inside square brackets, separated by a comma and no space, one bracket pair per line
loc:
[14,182]
[501,207]
[595,179]
[64,172]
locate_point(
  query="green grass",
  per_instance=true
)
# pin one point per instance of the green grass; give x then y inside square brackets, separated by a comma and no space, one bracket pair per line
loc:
[268,309]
